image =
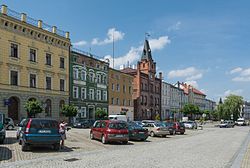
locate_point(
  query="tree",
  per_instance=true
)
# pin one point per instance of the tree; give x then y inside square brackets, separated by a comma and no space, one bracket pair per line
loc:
[190,109]
[69,111]
[232,106]
[33,107]
[100,114]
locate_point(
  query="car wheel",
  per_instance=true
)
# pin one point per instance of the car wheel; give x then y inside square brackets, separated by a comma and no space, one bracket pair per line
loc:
[152,134]
[125,142]
[56,146]
[182,133]
[103,139]
[24,146]
[91,136]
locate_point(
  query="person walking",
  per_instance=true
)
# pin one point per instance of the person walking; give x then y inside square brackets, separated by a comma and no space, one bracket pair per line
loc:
[62,131]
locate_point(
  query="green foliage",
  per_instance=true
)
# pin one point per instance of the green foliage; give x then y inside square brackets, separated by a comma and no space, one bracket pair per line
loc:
[157,117]
[33,107]
[100,114]
[69,110]
[232,105]
[190,109]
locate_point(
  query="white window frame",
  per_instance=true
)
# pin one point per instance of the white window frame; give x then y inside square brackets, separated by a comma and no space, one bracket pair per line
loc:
[75,92]
[83,112]
[75,73]
[105,95]
[83,96]
[92,94]
[83,77]
[99,95]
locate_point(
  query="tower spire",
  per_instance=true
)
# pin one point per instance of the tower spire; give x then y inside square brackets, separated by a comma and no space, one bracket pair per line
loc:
[146,53]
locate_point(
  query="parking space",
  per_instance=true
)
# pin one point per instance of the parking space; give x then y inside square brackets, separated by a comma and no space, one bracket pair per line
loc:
[77,140]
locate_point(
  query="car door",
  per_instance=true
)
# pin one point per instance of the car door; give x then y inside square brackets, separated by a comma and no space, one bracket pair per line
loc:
[95,129]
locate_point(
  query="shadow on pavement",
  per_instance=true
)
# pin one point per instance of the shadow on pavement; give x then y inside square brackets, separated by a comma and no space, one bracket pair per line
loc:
[49,149]
[5,153]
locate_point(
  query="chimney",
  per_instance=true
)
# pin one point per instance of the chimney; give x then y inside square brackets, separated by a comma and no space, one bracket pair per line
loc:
[160,75]
[23,17]
[4,9]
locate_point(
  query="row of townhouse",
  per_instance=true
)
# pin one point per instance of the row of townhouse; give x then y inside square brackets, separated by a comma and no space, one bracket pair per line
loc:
[174,97]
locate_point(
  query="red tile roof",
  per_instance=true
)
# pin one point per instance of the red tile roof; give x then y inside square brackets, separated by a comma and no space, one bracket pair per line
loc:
[128,70]
[186,88]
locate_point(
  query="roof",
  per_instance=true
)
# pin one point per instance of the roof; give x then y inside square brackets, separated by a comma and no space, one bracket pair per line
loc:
[128,70]
[146,53]
[187,87]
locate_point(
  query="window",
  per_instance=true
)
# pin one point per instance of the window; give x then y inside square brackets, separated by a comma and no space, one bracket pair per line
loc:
[129,102]
[61,62]
[104,80]
[48,83]
[112,101]
[91,77]
[117,87]
[48,108]
[124,102]
[83,112]
[62,85]
[105,95]
[129,89]
[113,87]
[98,78]
[14,50]
[92,94]
[48,59]
[98,95]
[83,93]
[124,88]
[32,55]
[75,92]
[75,73]
[14,78]
[32,80]
[83,75]
[117,101]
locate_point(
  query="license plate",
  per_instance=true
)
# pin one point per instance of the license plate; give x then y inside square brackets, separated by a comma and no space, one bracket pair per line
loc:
[119,135]
[141,132]
[164,129]
[44,131]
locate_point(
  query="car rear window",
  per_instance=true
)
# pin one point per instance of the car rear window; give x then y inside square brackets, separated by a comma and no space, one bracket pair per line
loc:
[44,124]
[117,125]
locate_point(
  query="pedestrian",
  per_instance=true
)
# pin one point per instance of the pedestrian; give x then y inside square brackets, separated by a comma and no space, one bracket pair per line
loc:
[62,131]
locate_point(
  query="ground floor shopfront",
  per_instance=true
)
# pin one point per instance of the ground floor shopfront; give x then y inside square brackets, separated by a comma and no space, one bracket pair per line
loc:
[12,103]
[126,110]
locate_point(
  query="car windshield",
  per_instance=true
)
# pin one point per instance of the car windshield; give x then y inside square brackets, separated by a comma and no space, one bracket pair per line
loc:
[240,120]
[181,124]
[44,124]
[135,126]
[159,125]
[117,125]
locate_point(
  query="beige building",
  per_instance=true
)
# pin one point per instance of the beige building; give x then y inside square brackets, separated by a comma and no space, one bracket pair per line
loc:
[120,93]
[34,64]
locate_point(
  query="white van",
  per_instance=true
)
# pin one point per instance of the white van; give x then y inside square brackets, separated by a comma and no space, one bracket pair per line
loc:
[118,117]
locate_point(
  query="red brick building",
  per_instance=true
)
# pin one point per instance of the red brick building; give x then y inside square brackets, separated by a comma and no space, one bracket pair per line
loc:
[146,86]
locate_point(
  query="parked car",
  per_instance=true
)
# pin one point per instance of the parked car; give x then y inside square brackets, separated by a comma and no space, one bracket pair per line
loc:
[147,121]
[9,124]
[241,122]
[2,128]
[137,132]
[110,131]
[170,127]
[156,129]
[179,127]
[138,123]
[39,131]
[226,124]
[190,124]
[19,127]
[83,123]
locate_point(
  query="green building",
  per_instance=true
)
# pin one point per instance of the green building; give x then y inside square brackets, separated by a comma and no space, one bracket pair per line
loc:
[88,84]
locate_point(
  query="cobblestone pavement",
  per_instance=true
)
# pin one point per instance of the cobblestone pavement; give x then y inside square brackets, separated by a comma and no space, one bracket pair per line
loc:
[246,158]
[210,147]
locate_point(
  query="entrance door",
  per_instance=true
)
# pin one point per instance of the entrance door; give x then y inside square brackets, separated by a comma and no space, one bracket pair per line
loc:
[13,108]
[91,113]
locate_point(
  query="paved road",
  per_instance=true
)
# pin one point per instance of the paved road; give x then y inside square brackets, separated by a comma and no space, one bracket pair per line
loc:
[211,147]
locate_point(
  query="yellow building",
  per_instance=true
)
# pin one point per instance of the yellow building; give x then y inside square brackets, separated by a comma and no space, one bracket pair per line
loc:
[120,93]
[34,64]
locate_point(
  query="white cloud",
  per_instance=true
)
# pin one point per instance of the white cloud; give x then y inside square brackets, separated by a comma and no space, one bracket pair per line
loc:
[235,70]
[112,33]
[160,43]
[243,75]
[176,26]
[235,92]
[79,43]
[190,73]
[193,83]
[134,53]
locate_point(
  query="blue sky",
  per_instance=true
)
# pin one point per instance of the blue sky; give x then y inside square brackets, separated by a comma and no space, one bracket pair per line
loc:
[206,43]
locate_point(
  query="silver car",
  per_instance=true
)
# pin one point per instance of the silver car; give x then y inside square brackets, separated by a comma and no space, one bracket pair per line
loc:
[156,129]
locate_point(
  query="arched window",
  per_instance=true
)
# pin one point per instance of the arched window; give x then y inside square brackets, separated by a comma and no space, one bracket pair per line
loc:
[48,108]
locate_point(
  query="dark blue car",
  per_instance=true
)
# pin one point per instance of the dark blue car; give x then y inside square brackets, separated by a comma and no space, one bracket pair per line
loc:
[39,132]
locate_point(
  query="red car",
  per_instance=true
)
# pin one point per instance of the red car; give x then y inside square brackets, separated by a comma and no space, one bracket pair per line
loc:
[179,127]
[110,131]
